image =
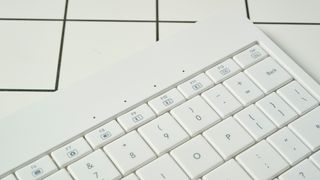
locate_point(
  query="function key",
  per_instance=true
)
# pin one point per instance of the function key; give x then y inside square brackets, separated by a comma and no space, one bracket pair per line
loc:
[136,117]
[38,169]
[250,56]
[104,134]
[166,101]
[195,85]
[223,71]
[71,152]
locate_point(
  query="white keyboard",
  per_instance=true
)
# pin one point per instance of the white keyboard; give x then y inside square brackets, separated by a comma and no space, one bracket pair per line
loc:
[245,117]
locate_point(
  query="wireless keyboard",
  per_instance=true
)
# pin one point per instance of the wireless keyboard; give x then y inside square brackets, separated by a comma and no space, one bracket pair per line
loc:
[218,101]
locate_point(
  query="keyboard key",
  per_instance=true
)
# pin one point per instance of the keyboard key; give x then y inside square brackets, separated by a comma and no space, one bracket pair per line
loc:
[9,177]
[130,177]
[223,71]
[262,162]
[316,158]
[243,89]
[307,128]
[255,122]
[136,117]
[268,75]
[289,146]
[37,170]
[223,172]
[71,152]
[162,168]
[104,134]
[60,175]
[250,56]
[166,101]
[94,166]
[228,138]
[196,157]
[195,85]
[129,152]
[195,115]
[298,97]
[222,101]
[277,110]
[163,134]
[304,170]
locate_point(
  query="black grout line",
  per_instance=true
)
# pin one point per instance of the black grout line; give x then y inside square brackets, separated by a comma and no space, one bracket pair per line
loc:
[28,90]
[168,21]
[108,20]
[61,45]
[247,8]
[97,20]
[157,20]
[29,19]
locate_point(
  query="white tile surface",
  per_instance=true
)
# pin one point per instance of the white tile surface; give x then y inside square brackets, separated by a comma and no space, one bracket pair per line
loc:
[90,46]
[112,9]
[284,10]
[193,10]
[43,9]
[166,30]
[29,52]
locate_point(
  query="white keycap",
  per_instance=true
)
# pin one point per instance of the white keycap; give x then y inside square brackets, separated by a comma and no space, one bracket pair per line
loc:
[298,97]
[277,110]
[37,170]
[9,177]
[304,170]
[195,115]
[289,146]
[308,129]
[162,168]
[223,71]
[228,171]
[316,158]
[262,162]
[195,85]
[243,88]
[255,122]
[104,134]
[163,134]
[166,101]
[228,138]
[71,152]
[129,152]
[136,117]
[196,157]
[268,75]
[60,175]
[222,101]
[94,166]
[250,56]
[130,177]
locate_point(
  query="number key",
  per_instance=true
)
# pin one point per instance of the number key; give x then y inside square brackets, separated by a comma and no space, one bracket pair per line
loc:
[163,134]
[94,166]
[129,152]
